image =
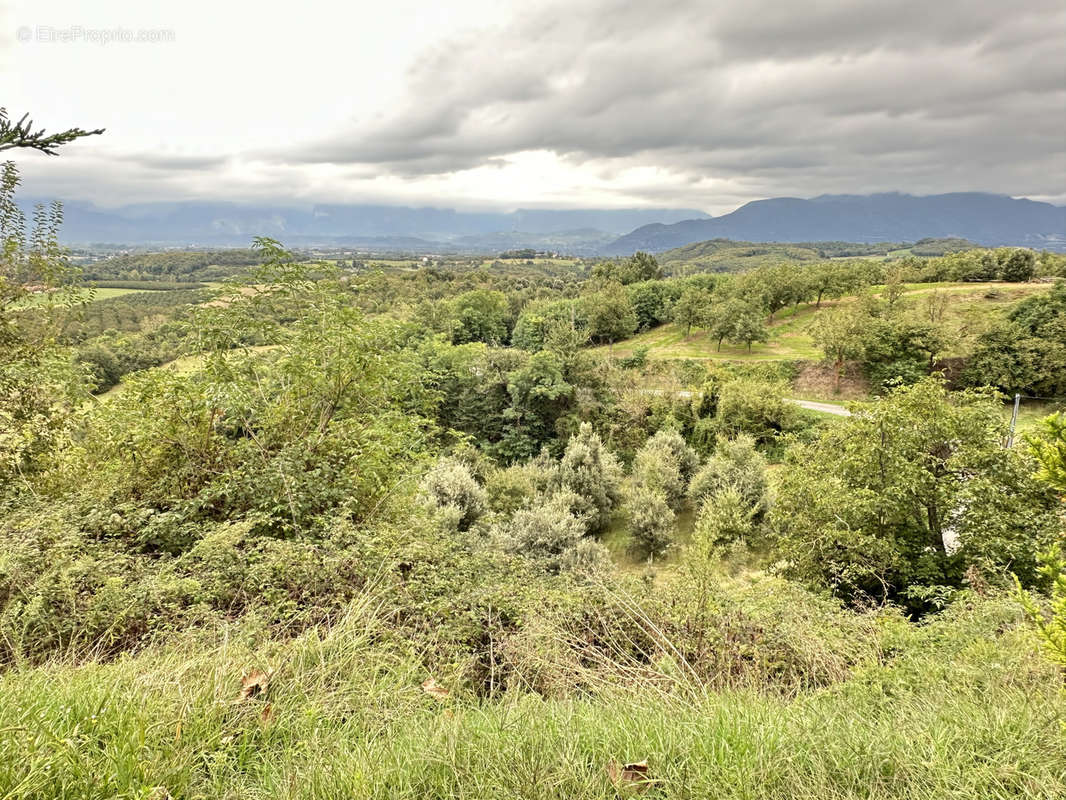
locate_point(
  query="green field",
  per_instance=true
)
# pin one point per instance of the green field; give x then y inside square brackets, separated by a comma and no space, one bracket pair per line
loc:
[84,295]
[788,337]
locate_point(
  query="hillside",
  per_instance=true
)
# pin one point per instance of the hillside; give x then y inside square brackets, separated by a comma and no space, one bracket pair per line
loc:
[986,219]
[726,255]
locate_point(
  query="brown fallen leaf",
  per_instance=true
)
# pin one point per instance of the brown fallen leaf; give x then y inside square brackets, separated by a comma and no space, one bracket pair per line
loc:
[267,714]
[633,776]
[253,684]
[434,689]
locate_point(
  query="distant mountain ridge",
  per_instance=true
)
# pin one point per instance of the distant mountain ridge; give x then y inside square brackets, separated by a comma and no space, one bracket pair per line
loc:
[987,219]
[201,223]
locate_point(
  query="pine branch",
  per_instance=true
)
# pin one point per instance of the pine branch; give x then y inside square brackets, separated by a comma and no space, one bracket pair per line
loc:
[21,134]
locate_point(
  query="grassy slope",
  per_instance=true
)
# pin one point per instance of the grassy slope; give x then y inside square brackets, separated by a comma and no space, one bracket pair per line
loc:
[789,339]
[950,710]
[97,294]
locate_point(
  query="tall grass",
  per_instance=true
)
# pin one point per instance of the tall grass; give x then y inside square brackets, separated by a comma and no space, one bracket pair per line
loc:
[948,710]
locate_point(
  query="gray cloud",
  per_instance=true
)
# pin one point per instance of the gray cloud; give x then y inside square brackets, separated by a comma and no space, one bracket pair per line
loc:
[176,162]
[779,97]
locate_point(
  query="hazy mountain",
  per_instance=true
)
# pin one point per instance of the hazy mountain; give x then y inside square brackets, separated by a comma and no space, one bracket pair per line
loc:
[197,223]
[988,219]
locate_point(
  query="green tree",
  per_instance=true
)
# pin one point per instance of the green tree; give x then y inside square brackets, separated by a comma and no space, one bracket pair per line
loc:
[693,307]
[899,500]
[720,317]
[735,466]
[610,314]
[840,333]
[480,315]
[665,464]
[651,520]
[747,327]
[649,303]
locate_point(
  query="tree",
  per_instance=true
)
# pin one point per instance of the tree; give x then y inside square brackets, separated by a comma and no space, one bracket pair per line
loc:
[692,308]
[840,334]
[665,464]
[480,315]
[724,518]
[644,267]
[748,327]
[738,467]
[755,407]
[539,396]
[827,280]
[610,314]
[1016,264]
[638,267]
[21,134]
[649,303]
[719,318]
[899,500]
[1048,445]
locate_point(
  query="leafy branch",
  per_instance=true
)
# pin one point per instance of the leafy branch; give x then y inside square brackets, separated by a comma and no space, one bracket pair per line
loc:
[21,134]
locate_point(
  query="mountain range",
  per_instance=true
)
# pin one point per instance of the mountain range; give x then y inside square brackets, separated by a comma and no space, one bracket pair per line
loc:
[371,226]
[987,219]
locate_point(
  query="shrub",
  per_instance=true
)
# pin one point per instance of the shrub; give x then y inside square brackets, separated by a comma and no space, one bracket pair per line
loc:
[735,466]
[543,531]
[1050,627]
[651,520]
[450,483]
[586,559]
[592,473]
[665,465]
[724,518]
[755,407]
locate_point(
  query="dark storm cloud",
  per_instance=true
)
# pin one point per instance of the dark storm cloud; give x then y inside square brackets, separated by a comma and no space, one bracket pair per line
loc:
[831,96]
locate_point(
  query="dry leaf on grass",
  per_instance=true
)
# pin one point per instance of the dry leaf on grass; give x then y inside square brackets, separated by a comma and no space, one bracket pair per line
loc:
[434,689]
[267,715]
[632,776]
[253,684]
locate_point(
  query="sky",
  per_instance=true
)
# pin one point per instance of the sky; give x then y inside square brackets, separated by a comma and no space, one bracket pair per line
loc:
[498,104]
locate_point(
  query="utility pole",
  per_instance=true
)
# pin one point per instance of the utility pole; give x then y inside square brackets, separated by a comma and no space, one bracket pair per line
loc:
[1013,420]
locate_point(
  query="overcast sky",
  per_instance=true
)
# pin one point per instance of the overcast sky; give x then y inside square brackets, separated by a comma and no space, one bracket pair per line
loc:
[502,104]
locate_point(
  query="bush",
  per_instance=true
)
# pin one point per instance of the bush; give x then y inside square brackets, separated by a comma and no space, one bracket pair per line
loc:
[755,407]
[450,484]
[592,473]
[651,520]
[725,517]
[586,559]
[544,531]
[735,466]
[665,465]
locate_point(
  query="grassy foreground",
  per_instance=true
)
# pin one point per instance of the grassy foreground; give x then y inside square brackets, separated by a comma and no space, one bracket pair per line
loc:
[961,707]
